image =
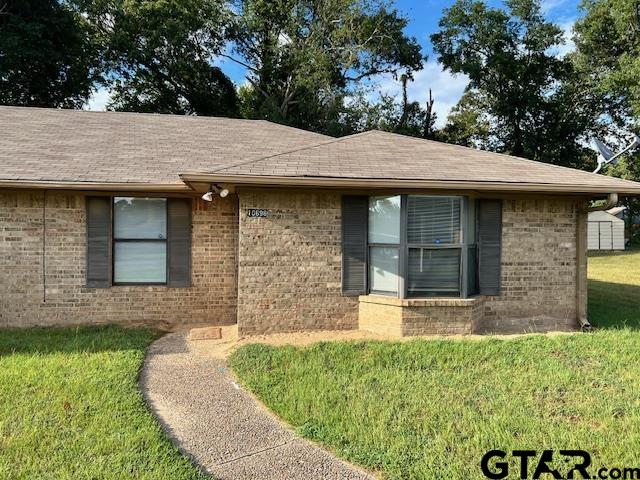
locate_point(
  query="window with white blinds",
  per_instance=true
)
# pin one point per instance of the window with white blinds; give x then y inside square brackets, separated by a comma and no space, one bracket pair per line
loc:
[139,240]
[434,242]
[422,246]
[433,220]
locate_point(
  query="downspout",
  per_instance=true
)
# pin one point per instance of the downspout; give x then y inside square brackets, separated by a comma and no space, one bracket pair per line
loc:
[581,259]
[612,201]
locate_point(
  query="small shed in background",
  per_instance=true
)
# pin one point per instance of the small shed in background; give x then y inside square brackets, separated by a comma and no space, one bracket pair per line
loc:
[619,212]
[606,231]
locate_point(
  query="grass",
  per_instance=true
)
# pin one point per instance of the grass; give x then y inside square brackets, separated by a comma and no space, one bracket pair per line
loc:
[431,409]
[614,289]
[70,408]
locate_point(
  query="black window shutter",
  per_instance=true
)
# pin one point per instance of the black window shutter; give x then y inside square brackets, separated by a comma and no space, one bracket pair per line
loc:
[355,210]
[98,242]
[179,242]
[489,246]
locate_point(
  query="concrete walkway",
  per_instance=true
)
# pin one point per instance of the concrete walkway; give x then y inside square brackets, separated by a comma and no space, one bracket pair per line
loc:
[220,426]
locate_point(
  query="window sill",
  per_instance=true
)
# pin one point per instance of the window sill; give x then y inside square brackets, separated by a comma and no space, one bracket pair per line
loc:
[420,302]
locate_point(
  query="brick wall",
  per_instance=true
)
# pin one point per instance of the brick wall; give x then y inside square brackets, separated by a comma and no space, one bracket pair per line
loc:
[376,315]
[24,302]
[457,318]
[290,263]
[410,317]
[289,268]
[538,268]
[289,271]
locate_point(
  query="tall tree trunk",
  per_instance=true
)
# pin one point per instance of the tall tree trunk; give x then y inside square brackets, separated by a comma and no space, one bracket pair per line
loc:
[402,123]
[429,118]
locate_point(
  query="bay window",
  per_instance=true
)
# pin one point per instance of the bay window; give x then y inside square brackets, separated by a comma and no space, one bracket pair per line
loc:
[421,246]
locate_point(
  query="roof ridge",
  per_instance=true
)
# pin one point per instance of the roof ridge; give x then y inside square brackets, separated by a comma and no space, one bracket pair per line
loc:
[172,116]
[286,152]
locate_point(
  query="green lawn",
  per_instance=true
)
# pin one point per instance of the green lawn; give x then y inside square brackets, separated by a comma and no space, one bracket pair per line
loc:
[431,409]
[614,289]
[70,408]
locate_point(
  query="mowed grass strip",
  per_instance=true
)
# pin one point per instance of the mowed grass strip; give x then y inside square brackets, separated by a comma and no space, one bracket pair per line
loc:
[614,289]
[70,408]
[432,408]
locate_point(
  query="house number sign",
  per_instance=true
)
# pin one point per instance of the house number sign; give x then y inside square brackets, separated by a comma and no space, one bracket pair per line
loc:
[257,212]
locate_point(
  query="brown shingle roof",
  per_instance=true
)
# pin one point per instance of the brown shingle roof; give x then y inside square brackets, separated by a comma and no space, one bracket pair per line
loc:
[380,155]
[40,144]
[71,146]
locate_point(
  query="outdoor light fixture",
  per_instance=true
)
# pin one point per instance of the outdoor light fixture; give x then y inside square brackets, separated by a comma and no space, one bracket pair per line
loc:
[606,156]
[208,197]
[215,190]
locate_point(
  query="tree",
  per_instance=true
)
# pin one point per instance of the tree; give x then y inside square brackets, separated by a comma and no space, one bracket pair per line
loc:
[161,52]
[385,113]
[608,45]
[409,118]
[467,123]
[305,58]
[430,117]
[48,57]
[608,56]
[530,97]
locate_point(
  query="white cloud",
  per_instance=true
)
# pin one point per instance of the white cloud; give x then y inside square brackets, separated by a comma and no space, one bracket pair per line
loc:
[446,89]
[567,34]
[548,6]
[99,100]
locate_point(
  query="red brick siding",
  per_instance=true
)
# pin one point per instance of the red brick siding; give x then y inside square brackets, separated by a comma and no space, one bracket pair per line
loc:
[290,264]
[210,299]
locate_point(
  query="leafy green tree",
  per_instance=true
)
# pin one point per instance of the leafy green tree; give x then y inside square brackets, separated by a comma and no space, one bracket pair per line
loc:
[48,57]
[607,38]
[608,45]
[530,97]
[384,112]
[467,123]
[161,52]
[306,58]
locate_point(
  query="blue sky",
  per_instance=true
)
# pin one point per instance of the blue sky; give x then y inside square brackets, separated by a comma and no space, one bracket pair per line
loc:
[447,89]
[423,21]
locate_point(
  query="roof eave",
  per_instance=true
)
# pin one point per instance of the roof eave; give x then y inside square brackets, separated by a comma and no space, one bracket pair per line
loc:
[355,183]
[95,186]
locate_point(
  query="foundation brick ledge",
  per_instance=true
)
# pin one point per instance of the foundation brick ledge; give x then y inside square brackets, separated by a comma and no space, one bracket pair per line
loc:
[420,316]
[421,302]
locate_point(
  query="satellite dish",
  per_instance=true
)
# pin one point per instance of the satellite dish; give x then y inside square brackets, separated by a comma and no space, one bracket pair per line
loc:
[603,150]
[606,156]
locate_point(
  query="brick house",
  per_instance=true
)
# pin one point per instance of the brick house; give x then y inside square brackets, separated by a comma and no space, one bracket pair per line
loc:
[102,221]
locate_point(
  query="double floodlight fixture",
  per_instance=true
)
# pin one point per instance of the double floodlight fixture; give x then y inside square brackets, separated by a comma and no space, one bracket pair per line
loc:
[606,156]
[215,189]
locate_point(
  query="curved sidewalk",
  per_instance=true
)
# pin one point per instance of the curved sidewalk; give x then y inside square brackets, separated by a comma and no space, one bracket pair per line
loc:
[220,426]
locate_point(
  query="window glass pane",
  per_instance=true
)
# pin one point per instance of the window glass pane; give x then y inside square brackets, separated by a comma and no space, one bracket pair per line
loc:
[433,272]
[383,269]
[140,262]
[384,219]
[433,220]
[136,217]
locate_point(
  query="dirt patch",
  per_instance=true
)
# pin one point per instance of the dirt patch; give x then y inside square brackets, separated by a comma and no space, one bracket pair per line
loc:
[230,341]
